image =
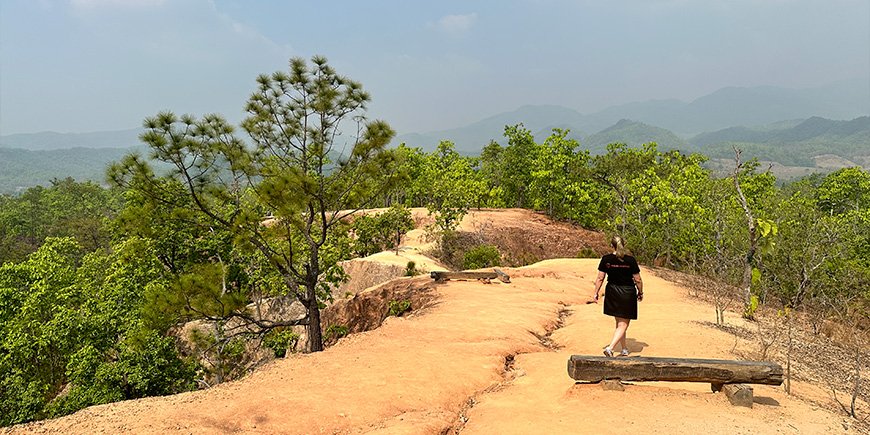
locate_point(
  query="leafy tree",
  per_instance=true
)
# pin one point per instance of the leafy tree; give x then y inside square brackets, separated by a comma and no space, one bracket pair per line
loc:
[453,185]
[64,209]
[559,184]
[515,173]
[746,180]
[73,323]
[493,173]
[301,170]
[616,169]
[411,189]
[382,231]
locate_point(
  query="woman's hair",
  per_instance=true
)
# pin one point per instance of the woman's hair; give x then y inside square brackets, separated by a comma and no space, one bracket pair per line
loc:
[618,246]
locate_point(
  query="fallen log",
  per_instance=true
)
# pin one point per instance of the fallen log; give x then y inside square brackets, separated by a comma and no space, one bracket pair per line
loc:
[503,277]
[717,372]
[444,276]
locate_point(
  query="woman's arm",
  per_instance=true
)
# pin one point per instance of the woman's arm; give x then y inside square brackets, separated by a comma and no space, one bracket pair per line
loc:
[598,282]
[638,282]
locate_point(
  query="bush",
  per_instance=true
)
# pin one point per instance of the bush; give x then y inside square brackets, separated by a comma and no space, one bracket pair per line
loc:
[334,332]
[397,308]
[411,269]
[380,232]
[481,256]
[280,340]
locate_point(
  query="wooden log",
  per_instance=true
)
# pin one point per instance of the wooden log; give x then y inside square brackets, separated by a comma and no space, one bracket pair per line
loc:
[597,368]
[503,277]
[739,394]
[444,276]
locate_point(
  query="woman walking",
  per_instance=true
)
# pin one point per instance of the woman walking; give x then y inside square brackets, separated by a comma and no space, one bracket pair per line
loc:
[623,291]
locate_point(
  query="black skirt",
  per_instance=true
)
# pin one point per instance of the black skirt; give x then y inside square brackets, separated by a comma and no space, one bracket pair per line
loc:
[620,301]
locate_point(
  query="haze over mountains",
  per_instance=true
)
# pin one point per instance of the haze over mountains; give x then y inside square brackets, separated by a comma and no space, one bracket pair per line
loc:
[727,107]
[788,126]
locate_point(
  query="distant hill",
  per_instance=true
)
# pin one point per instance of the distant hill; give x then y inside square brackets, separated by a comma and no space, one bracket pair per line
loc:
[20,169]
[635,134]
[55,141]
[722,109]
[732,106]
[794,145]
[540,120]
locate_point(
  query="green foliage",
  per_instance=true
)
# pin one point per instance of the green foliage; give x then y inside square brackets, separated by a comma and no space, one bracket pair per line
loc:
[844,190]
[147,365]
[481,256]
[411,269]
[751,308]
[72,320]
[380,232]
[280,340]
[294,170]
[397,308]
[334,332]
[453,186]
[224,356]
[65,209]
[558,183]
[514,174]
[657,201]
[794,145]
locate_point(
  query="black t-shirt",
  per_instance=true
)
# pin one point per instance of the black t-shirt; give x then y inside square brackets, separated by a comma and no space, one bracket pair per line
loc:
[619,272]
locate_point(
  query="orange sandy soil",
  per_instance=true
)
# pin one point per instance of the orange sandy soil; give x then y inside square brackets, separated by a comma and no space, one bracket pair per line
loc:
[443,370]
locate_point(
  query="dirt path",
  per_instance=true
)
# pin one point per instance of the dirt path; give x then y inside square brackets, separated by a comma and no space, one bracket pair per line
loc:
[484,358]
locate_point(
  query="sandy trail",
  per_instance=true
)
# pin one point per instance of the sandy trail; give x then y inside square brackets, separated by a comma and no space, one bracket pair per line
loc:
[443,370]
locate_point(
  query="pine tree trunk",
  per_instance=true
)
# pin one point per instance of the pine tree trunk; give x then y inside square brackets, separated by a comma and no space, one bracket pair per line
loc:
[315,332]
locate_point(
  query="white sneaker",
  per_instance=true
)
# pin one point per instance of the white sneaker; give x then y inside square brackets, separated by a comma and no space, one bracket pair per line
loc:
[608,352]
[624,352]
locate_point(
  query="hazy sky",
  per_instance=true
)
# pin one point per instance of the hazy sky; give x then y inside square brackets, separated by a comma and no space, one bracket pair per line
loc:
[91,65]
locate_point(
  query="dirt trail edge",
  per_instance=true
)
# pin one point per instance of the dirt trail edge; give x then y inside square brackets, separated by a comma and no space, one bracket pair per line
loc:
[484,358]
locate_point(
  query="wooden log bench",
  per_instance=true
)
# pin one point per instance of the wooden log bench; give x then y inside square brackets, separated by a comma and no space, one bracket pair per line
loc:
[726,375]
[495,274]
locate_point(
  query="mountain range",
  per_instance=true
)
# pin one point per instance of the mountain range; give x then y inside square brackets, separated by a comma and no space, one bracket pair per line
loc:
[787,126]
[727,107]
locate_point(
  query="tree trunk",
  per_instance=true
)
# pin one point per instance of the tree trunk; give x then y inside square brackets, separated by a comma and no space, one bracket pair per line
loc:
[315,332]
[788,353]
[749,262]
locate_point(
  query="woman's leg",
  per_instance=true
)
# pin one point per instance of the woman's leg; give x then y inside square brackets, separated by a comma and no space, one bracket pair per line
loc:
[624,334]
[619,333]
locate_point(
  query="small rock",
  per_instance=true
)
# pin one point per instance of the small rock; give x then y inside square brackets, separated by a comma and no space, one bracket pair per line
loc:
[612,385]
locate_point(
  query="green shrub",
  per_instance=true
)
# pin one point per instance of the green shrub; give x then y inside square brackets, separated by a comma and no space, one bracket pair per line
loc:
[411,269]
[481,256]
[397,308]
[280,340]
[334,332]
[587,253]
[376,233]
